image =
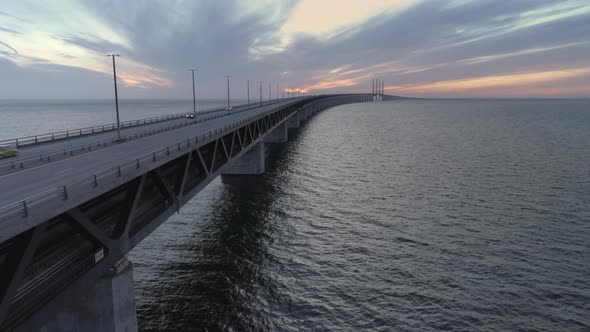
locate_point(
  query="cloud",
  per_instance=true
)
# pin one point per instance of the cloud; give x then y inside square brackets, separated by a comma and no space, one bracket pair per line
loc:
[418,45]
[512,80]
[71,37]
[9,30]
[434,42]
[12,49]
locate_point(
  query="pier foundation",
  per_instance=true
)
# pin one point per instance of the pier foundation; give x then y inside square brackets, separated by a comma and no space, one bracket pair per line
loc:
[293,121]
[278,135]
[303,115]
[251,163]
[108,306]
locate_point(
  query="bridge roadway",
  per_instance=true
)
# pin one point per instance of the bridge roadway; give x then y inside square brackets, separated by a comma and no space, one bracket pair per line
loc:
[20,185]
[29,152]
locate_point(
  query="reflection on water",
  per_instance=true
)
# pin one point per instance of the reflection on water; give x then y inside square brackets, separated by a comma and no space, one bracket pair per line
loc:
[217,282]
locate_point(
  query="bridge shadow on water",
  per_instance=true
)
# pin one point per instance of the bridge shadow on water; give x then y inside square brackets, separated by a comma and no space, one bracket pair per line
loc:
[224,280]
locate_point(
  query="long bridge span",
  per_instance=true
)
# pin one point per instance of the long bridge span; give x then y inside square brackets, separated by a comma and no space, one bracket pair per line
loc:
[72,206]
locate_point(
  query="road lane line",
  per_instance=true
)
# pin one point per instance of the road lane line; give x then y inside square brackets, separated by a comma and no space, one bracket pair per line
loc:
[66,170]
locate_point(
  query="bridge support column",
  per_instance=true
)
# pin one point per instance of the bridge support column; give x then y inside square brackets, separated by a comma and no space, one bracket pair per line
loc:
[293,121]
[278,135]
[251,163]
[109,305]
[303,114]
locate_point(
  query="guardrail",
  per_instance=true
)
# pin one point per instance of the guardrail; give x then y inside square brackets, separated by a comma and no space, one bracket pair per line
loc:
[65,134]
[55,155]
[62,193]
[64,153]
[48,137]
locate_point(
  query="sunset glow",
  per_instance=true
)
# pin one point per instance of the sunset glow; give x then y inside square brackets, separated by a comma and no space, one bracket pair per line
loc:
[422,48]
[478,83]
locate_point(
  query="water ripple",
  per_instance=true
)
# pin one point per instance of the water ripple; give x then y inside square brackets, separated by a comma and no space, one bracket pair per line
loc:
[398,216]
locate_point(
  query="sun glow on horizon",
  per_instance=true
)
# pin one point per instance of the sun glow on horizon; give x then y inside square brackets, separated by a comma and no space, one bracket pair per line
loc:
[517,80]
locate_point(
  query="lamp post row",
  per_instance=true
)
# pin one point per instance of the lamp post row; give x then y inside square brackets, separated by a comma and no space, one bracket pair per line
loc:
[378,89]
[192,70]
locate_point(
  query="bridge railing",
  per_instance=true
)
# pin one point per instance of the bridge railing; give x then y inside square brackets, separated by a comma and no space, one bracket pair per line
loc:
[147,161]
[72,133]
[64,192]
[56,154]
[64,153]
[58,135]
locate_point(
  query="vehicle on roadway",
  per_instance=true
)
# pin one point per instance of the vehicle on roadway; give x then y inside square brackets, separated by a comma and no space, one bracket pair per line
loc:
[229,109]
[190,115]
[8,150]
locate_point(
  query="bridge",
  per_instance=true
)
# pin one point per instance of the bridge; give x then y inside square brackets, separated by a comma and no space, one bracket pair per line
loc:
[74,203]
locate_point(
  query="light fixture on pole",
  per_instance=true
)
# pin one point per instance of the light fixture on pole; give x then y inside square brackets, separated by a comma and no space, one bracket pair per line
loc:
[228,106]
[116,95]
[194,94]
[260,92]
[248,89]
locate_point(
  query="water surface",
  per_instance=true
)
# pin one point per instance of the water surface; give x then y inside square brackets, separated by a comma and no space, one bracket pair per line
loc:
[430,215]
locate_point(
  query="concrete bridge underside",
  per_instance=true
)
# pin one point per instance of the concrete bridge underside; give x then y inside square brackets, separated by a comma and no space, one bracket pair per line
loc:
[69,273]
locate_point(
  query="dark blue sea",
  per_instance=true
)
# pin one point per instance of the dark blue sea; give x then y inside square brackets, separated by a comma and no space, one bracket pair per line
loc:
[413,215]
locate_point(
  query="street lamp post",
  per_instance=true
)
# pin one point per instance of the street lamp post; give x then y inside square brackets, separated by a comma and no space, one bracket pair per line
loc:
[277,90]
[248,88]
[260,92]
[194,94]
[116,95]
[269,93]
[228,92]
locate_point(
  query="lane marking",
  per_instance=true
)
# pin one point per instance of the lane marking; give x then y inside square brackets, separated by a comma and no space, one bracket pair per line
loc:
[66,170]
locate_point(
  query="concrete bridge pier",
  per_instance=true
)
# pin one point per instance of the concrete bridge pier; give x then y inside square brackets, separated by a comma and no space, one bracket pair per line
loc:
[107,305]
[302,115]
[294,121]
[278,135]
[251,163]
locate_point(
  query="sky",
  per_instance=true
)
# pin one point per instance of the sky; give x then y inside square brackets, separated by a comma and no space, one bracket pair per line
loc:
[422,48]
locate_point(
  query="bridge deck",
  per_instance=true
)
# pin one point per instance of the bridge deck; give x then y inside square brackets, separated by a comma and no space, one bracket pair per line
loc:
[33,180]
[77,141]
[44,148]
